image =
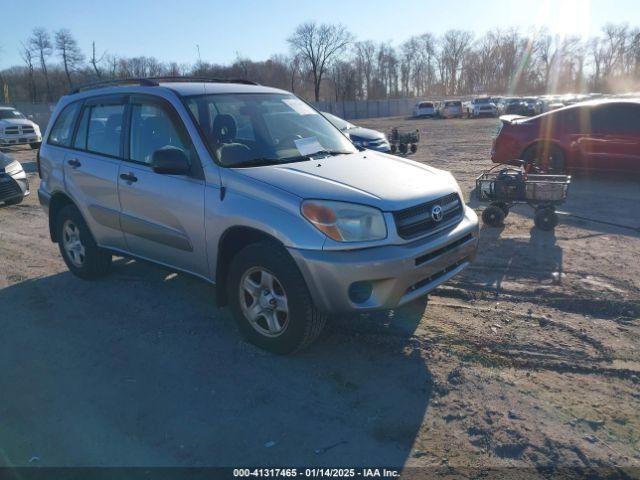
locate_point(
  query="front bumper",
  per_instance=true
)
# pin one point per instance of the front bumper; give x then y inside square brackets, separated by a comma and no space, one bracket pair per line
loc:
[397,274]
[12,187]
[20,139]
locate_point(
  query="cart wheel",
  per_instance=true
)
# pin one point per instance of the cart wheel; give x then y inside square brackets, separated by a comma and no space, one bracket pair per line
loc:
[403,148]
[394,148]
[502,206]
[493,216]
[546,218]
[414,148]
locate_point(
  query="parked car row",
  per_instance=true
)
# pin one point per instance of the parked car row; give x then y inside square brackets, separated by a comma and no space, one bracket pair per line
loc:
[445,109]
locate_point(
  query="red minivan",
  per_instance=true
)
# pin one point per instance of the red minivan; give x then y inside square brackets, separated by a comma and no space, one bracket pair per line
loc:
[598,135]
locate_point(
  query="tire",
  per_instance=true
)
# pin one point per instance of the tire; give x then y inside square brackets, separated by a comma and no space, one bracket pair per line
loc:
[394,149]
[546,219]
[78,247]
[35,146]
[493,216]
[554,163]
[14,201]
[414,148]
[502,206]
[302,323]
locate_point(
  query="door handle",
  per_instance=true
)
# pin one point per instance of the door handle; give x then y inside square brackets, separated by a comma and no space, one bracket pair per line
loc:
[128,177]
[74,162]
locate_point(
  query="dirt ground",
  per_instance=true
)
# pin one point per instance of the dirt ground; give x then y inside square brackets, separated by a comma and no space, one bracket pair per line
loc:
[528,359]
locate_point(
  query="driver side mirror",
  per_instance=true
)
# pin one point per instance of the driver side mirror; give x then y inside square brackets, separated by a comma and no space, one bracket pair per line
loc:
[170,161]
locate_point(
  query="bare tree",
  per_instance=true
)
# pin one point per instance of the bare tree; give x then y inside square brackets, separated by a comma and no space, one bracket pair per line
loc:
[40,43]
[27,57]
[95,60]
[365,56]
[454,46]
[69,52]
[318,45]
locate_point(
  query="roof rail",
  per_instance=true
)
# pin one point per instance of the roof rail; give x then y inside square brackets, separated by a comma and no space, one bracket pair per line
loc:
[154,82]
[144,82]
[178,78]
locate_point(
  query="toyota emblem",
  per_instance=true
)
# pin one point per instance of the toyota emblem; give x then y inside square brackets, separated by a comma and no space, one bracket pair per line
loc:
[436,213]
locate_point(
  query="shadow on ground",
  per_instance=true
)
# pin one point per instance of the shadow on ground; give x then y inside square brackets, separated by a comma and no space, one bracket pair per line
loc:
[141,368]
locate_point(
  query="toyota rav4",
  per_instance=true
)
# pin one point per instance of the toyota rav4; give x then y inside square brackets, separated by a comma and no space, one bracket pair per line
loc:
[252,189]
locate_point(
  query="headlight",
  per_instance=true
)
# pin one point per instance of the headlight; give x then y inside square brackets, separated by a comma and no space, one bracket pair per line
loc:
[13,167]
[345,222]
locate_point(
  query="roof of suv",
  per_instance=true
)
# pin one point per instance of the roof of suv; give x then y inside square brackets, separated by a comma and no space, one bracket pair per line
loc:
[199,88]
[181,85]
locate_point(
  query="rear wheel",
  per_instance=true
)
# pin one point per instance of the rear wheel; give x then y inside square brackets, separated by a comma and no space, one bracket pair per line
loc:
[78,248]
[544,158]
[546,218]
[270,301]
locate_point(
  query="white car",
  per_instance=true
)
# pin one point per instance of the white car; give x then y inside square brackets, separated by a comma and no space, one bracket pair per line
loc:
[16,129]
[481,107]
[424,109]
[450,109]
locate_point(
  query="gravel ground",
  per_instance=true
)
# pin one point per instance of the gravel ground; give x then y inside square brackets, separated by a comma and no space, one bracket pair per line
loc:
[528,359]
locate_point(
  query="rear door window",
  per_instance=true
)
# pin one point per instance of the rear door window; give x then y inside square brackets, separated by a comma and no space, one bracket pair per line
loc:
[62,129]
[100,128]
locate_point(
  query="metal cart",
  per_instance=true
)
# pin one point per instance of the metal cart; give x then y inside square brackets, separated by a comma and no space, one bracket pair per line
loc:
[510,185]
[403,142]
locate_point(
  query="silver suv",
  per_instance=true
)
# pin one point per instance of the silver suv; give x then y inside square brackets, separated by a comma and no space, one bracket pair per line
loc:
[251,189]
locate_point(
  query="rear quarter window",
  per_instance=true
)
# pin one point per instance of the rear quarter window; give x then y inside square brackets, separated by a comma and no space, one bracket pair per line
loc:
[62,129]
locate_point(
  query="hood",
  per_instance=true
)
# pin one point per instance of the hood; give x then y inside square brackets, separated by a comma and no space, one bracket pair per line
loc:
[370,178]
[364,133]
[6,122]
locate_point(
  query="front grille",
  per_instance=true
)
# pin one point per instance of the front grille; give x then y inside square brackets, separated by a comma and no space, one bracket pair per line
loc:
[8,188]
[12,130]
[28,130]
[416,221]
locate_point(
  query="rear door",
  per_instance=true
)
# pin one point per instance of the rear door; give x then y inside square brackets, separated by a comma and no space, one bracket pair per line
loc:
[91,167]
[162,216]
[610,137]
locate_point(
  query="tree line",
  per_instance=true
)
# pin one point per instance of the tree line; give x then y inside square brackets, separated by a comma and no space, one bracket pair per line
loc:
[326,62]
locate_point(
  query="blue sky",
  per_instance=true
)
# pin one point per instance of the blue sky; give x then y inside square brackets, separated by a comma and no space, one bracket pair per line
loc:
[170,30]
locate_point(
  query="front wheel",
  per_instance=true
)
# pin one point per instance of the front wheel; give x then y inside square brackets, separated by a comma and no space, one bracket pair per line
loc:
[493,216]
[35,146]
[270,301]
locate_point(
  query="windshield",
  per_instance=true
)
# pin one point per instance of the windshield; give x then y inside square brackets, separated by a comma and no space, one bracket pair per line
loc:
[5,113]
[338,122]
[452,104]
[483,100]
[245,130]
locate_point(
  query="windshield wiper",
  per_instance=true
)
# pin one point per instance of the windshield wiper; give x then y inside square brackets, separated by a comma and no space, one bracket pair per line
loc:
[261,162]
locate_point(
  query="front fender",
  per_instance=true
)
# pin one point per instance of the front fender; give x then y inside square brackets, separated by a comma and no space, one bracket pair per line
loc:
[258,206]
